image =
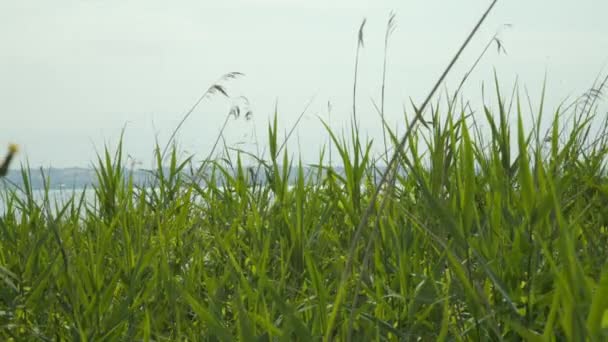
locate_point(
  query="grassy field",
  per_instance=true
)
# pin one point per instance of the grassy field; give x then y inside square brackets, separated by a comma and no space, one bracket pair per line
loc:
[471,241]
[485,231]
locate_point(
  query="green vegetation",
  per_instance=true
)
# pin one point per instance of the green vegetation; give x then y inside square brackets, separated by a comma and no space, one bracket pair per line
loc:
[472,242]
[497,236]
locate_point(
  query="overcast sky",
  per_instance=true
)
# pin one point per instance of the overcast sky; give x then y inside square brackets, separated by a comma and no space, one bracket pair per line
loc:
[74,73]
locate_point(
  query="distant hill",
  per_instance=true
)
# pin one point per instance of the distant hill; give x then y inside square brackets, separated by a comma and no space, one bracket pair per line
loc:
[78,178]
[66,178]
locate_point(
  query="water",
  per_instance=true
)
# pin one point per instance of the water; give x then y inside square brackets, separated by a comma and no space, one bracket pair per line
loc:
[56,197]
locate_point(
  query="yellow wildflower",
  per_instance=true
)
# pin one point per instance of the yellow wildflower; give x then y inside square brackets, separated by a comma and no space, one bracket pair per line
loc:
[13,148]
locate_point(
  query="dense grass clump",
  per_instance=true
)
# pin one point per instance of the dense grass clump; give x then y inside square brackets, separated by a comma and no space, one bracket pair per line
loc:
[498,236]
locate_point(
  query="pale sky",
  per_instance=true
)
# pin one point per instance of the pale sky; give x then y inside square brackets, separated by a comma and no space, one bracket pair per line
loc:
[74,73]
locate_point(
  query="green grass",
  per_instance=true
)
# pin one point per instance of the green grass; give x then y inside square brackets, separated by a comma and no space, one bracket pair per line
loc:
[479,230]
[473,242]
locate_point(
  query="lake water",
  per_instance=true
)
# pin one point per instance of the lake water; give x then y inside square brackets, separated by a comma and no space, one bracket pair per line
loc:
[56,197]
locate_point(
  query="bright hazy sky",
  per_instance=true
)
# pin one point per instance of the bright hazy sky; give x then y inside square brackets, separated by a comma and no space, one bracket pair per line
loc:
[74,73]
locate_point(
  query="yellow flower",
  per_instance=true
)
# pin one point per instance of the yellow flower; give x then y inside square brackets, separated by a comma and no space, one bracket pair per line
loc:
[13,148]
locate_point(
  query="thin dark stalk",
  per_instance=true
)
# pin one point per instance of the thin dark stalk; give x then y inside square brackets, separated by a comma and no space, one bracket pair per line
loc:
[295,124]
[468,73]
[390,27]
[201,168]
[216,87]
[329,123]
[360,44]
[12,149]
